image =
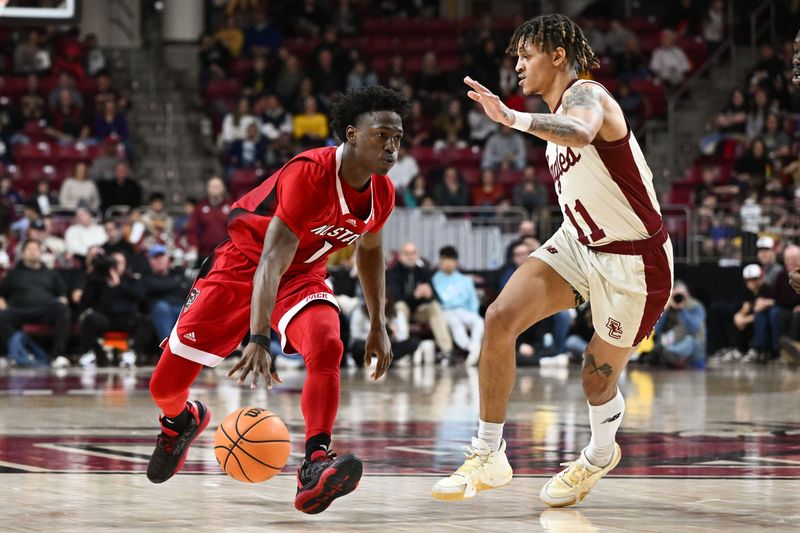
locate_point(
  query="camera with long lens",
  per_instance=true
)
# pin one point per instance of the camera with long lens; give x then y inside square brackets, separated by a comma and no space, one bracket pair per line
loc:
[678,298]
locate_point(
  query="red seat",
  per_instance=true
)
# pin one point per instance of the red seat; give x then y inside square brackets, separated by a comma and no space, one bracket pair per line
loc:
[464,155]
[696,50]
[76,152]
[12,86]
[471,175]
[241,66]
[643,25]
[221,89]
[449,63]
[243,180]
[378,26]
[48,83]
[87,85]
[508,178]
[301,47]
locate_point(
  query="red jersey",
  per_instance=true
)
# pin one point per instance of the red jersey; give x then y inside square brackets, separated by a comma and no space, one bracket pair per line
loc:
[317,206]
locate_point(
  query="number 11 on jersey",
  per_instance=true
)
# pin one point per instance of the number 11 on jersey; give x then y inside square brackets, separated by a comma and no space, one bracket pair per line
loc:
[596,233]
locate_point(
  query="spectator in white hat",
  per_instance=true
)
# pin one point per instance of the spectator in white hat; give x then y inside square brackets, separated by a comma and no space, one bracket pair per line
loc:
[753,335]
[767,258]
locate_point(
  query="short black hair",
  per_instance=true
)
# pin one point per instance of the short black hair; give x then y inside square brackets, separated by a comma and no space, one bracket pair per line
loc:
[448,252]
[553,31]
[356,102]
[157,196]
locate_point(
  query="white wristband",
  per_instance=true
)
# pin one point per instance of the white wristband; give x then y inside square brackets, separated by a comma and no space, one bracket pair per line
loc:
[522,121]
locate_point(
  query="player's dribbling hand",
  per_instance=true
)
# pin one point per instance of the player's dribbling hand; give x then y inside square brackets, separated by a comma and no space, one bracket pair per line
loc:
[255,359]
[378,344]
[494,108]
[794,280]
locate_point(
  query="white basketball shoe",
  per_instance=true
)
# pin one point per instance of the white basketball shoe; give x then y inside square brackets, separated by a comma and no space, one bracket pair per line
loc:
[483,469]
[572,484]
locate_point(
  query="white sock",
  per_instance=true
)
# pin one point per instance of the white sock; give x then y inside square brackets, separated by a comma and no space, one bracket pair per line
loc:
[491,434]
[604,421]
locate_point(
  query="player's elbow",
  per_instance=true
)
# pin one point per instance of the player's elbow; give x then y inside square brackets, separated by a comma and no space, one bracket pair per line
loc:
[581,138]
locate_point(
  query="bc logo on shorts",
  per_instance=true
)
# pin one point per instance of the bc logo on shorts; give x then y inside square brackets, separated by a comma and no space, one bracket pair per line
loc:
[190,300]
[614,328]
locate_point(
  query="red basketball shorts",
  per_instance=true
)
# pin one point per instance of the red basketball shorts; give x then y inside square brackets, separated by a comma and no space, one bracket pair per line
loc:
[216,315]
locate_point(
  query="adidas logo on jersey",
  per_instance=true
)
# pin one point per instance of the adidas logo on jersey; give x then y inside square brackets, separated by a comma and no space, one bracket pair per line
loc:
[190,336]
[351,221]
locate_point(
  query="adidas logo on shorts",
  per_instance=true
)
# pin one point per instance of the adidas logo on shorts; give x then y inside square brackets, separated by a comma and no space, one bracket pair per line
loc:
[190,336]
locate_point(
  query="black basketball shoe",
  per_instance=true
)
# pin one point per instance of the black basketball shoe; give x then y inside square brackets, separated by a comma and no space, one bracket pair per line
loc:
[172,447]
[325,478]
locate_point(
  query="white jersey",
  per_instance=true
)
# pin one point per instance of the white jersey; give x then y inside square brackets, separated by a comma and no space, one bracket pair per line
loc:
[605,189]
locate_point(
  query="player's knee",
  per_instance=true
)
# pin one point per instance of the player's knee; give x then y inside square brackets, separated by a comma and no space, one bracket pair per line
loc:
[499,320]
[326,354]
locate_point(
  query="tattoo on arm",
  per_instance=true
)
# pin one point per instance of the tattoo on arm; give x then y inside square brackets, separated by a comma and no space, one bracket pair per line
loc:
[564,129]
[590,365]
[555,126]
[583,97]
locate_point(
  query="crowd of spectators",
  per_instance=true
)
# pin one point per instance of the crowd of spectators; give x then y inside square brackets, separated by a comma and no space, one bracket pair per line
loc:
[72,210]
[746,180]
[80,286]
[269,74]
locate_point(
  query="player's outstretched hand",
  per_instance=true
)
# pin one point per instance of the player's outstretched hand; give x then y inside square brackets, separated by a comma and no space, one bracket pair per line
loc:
[256,359]
[378,344]
[794,279]
[494,108]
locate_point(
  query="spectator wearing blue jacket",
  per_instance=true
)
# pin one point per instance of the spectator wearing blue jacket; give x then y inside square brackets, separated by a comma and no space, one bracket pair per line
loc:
[460,303]
[249,152]
[681,330]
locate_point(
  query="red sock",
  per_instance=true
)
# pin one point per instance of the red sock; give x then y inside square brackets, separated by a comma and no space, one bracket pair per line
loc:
[315,333]
[170,383]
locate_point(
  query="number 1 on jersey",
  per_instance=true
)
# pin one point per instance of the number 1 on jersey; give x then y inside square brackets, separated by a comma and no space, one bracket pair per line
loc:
[596,233]
[319,253]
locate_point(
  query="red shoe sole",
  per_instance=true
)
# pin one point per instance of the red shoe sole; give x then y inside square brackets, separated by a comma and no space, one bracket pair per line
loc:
[203,425]
[341,478]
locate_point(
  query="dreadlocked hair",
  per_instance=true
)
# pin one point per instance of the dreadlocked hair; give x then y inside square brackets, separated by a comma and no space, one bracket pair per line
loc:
[552,31]
[355,102]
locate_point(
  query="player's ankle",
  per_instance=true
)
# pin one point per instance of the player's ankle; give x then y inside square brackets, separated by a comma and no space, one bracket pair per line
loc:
[319,443]
[177,423]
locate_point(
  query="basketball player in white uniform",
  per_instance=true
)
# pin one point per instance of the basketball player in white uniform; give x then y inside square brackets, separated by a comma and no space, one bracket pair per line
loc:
[612,250]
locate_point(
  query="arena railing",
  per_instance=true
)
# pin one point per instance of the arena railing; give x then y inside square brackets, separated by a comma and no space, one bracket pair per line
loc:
[757,30]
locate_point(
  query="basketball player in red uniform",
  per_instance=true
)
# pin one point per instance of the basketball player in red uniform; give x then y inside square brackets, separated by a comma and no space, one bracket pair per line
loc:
[270,272]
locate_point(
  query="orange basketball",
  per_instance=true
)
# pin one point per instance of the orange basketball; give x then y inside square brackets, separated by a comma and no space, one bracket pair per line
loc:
[252,444]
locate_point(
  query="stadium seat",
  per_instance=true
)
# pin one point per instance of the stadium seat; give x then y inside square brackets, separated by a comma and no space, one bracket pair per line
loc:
[244,179]
[222,89]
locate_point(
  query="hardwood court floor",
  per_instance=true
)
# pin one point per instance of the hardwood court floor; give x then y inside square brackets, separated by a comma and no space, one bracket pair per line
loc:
[715,451]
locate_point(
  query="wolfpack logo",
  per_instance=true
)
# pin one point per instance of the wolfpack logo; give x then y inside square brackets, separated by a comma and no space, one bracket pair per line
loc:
[190,300]
[316,296]
[614,328]
[561,165]
[343,234]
